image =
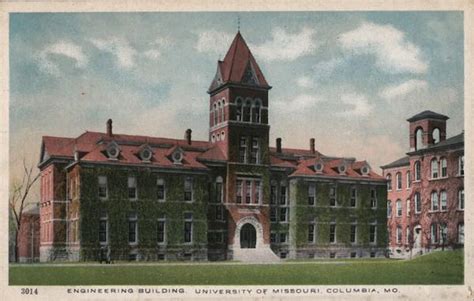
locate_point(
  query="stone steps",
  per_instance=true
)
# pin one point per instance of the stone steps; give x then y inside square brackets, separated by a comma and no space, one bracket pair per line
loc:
[258,255]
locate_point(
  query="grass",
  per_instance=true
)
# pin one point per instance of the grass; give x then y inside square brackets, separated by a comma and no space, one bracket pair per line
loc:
[436,268]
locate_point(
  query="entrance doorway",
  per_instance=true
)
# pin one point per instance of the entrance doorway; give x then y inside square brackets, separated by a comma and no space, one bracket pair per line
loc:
[248,237]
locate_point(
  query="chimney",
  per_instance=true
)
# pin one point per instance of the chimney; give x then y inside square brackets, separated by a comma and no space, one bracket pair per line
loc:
[311,146]
[187,136]
[278,144]
[109,127]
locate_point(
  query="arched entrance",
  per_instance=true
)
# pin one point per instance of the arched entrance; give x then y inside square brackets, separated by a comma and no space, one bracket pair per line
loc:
[248,237]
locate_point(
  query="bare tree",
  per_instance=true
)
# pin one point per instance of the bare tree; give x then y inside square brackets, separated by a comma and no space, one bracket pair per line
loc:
[18,196]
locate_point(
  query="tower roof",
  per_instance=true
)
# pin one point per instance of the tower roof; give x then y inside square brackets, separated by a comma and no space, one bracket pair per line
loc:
[427,114]
[239,66]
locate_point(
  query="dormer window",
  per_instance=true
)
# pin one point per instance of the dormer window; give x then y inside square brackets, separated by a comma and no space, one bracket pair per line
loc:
[365,170]
[146,154]
[342,168]
[113,151]
[318,167]
[177,156]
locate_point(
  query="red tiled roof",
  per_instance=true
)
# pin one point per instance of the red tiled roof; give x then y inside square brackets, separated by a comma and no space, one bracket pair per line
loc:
[235,63]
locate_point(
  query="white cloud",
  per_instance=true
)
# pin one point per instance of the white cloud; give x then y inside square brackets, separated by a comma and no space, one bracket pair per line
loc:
[63,48]
[213,41]
[397,91]
[120,48]
[393,52]
[326,68]
[285,46]
[152,54]
[298,103]
[357,105]
[304,82]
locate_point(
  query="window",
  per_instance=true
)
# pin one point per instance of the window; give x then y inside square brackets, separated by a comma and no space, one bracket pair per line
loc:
[222,106]
[443,233]
[399,180]
[188,189]
[434,169]
[161,226]
[311,228]
[332,196]
[257,111]
[273,194]
[219,213]
[353,197]
[239,191]
[417,202]
[407,235]
[247,108]
[399,208]
[435,135]
[389,182]
[132,188]
[353,234]
[243,150]
[434,233]
[219,190]
[102,187]
[273,214]
[132,228]
[188,227]
[461,165]
[461,199]
[353,254]
[418,139]
[160,189]
[408,179]
[373,198]
[434,201]
[372,233]
[248,191]
[283,195]
[408,208]
[444,200]
[444,167]
[255,153]
[389,208]
[258,191]
[273,237]
[332,233]
[103,229]
[332,255]
[311,194]
[417,171]
[283,238]
[238,112]
[461,233]
[283,214]
[399,234]
[215,113]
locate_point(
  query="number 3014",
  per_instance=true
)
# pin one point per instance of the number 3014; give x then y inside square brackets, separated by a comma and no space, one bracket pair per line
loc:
[29,291]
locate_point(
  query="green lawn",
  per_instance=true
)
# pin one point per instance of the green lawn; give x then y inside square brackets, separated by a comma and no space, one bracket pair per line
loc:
[437,268]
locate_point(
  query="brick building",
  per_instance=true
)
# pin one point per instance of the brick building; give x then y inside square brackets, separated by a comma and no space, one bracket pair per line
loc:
[29,238]
[425,204]
[231,197]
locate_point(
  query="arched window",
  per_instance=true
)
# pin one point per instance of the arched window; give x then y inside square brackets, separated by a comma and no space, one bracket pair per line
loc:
[399,234]
[417,202]
[223,111]
[238,110]
[215,113]
[418,139]
[389,208]
[408,208]
[408,179]
[434,168]
[219,192]
[461,199]
[399,180]
[417,171]
[247,109]
[444,167]
[399,208]
[257,111]
[435,135]
[434,201]
[443,199]
[219,110]
[389,182]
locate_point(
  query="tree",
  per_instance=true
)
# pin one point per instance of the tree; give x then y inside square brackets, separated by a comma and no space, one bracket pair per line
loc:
[18,198]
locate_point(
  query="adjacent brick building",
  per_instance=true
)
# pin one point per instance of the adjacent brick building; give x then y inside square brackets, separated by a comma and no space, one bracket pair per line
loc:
[28,237]
[230,197]
[426,189]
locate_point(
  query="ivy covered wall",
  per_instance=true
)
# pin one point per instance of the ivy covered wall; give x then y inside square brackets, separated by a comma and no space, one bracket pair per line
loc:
[148,209]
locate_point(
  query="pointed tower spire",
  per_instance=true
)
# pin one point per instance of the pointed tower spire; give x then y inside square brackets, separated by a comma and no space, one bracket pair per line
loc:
[238,67]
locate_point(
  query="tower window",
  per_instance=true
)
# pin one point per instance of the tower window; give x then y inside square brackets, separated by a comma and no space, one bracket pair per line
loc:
[436,136]
[247,109]
[417,171]
[257,112]
[418,139]
[257,192]
[255,153]
[222,111]
[239,192]
[389,182]
[243,150]
[238,110]
[248,191]
[214,112]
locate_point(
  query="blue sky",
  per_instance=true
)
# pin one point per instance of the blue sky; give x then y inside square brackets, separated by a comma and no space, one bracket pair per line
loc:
[348,79]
